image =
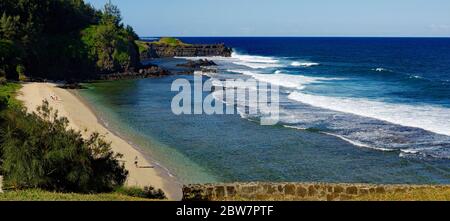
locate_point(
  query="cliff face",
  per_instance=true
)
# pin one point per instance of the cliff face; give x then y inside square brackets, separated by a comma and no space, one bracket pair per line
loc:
[166,51]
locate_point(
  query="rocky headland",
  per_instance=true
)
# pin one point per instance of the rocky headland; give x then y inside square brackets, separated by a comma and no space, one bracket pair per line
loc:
[168,48]
[171,47]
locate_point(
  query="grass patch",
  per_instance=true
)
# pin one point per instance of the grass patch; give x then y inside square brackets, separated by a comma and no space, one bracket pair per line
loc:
[41,195]
[9,90]
[425,194]
[142,45]
[420,194]
[170,41]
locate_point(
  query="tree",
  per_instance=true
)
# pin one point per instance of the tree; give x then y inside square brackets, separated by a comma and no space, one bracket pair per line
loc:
[38,151]
[51,36]
[9,54]
[111,14]
[9,27]
[112,48]
[131,33]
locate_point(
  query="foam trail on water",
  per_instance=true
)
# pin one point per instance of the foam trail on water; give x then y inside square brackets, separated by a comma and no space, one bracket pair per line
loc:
[429,118]
[304,64]
[356,143]
[381,70]
[359,144]
[255,62]
[254,58]
[284,80]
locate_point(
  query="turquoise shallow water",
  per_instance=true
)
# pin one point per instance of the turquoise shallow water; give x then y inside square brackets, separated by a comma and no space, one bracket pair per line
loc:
[225,148]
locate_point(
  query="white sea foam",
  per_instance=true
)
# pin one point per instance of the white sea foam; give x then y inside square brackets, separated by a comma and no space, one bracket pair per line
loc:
[284,80]
[255,62]
[233,84]
[359,144]
[380,70]
[431,118]
[254,58]
[304,64]
[258,65]
[251,61]
[416,77]
[410,151]
[205,73]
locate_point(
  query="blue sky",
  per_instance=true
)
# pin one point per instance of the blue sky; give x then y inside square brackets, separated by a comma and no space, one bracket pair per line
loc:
[286,17]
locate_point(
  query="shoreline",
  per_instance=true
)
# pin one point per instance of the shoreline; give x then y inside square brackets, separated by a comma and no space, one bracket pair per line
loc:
[169,179]
[84,118]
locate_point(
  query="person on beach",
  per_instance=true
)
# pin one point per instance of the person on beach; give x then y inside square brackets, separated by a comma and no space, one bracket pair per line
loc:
[136,161]
[54,97]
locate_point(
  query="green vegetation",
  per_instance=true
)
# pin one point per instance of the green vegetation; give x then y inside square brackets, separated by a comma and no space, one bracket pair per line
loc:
[63,39]
[8,95]
[38,151]
[425,194]
[146,192]
[41,159]
[170,41]
[422,194]
[8,59]
[68,40]
[143,46]
[110,47]
[42,195]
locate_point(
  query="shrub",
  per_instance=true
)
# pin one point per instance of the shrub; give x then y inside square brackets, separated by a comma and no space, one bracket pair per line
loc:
[7,93]
[3,102]
[147,192]
[8,59]
[38,151]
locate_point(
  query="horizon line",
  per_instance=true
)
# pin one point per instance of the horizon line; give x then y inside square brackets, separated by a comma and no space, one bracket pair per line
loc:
[280,36]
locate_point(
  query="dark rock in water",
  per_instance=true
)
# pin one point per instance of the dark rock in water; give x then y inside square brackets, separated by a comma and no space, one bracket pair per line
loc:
[209,70]
[72,85]
[184,50]
[148,71]
[186,72]
[197,64]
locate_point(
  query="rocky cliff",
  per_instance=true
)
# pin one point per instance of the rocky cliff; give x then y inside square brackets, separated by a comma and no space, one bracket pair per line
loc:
[160,50]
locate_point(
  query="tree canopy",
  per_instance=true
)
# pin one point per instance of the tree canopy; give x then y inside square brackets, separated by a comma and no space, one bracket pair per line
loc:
[39,151]
[64,39]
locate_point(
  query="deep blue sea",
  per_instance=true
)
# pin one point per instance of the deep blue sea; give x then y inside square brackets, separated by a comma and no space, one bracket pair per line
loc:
[370,110]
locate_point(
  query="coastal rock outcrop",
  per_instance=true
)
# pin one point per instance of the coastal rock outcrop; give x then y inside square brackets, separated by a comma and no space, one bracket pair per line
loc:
[202,65]
[197,64]
[162,49]
[148,71]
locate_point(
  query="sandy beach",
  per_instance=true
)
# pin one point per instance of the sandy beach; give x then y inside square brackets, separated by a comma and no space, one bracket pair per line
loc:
[82,118]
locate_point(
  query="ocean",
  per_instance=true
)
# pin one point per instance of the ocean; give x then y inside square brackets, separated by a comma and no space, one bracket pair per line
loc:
[358,110]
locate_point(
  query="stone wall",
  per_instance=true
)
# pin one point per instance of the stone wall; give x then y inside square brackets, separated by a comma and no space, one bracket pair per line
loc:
[290,191]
